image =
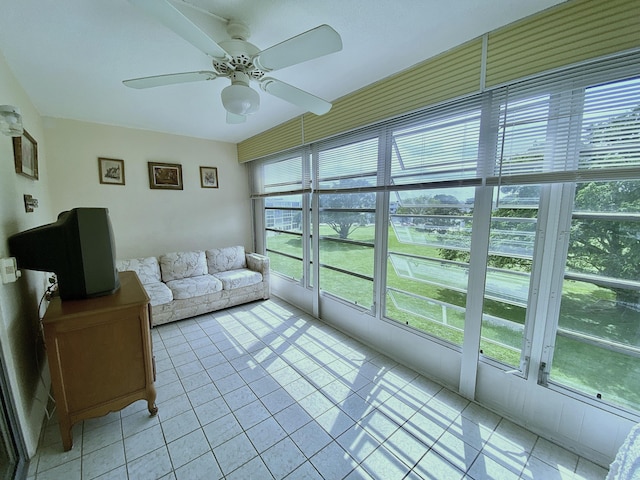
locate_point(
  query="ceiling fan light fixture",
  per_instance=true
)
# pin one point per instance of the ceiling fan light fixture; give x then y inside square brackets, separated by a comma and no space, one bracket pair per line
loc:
[240,99]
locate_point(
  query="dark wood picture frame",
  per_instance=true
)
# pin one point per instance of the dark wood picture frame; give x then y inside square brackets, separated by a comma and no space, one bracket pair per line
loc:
[165,176]
[25,155]
[209,177]
[111,171]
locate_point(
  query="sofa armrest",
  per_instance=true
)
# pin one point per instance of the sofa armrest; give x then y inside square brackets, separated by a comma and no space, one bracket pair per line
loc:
[258,263]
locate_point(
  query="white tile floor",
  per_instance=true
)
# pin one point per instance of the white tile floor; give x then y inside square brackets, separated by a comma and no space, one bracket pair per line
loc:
[265,391]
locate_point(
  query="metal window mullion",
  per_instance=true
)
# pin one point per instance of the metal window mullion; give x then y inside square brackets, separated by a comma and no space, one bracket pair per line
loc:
[348,242]
[259,233]
[288,255]
[385,146]
[481,226]
[361,276]
[535,282]
[315,232]
[306,218]
[295,209]
[557,222]
[288,232]
[475,290]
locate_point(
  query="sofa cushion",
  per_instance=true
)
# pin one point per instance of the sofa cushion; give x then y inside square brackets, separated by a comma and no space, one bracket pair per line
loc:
[242,277]
[194,286]
[178,265]
[147,268]
[158,293]
[224,259]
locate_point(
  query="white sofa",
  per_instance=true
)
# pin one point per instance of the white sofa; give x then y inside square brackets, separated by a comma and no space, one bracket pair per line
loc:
[186,284]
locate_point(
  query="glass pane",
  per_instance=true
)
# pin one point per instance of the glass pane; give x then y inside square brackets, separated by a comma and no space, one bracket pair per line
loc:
[611,123]
[511,241]
[346,256]
[285,243]
[598,340]
[289,201]
[347,236]
[429,270]
[427,273]
[440,319]
[347,287]
[287,266]
[348,166]
[439,150]
[599,372]
[284,214]
[440,232]
[282,175]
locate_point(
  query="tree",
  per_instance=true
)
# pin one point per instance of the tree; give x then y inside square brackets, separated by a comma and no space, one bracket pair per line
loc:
[610,248]
[427,208]
[518,233]
[344,223]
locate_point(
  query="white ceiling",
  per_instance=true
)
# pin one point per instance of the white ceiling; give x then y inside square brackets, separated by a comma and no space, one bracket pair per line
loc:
[72,55]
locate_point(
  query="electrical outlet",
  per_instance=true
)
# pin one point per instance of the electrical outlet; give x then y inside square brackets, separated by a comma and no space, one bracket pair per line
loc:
[9,270]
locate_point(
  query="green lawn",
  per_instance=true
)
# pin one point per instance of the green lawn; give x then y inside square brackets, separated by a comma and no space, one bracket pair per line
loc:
[439,311]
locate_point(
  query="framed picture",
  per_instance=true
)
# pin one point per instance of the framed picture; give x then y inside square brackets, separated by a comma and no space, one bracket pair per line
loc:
[208,177]
[25,155]
[111,171]
[165,176]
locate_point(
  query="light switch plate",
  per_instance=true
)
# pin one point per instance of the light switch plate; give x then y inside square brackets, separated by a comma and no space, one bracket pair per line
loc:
[9,270]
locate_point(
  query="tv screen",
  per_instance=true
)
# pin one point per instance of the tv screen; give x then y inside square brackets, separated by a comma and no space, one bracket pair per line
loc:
[79,248]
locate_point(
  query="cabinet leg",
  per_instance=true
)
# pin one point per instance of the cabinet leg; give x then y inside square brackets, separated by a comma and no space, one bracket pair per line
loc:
[151,399]
[65,433]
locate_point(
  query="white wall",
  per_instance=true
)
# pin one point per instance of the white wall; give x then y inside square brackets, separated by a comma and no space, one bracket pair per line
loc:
[20,344]
[145,221]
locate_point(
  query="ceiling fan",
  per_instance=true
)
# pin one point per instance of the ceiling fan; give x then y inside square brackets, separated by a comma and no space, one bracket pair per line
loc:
[241,61]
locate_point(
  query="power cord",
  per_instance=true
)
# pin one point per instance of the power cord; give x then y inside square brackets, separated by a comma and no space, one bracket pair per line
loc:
[48,294]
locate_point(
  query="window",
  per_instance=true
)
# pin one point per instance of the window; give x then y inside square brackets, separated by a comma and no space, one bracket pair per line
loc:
[429,235]
[482,221]
[596,342]
[597,347]
[428,268]
[347,219]
[279,186]
[512,237]
[283,228]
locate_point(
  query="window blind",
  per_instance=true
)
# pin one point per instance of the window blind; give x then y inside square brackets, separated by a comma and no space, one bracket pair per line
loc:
[281,175]
[440,149]
[610,135]
[578,124]
[348,163]
[582,123]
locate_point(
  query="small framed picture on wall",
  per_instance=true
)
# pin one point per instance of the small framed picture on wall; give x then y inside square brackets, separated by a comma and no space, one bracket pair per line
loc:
[111,171]
[208,177]
[165,176]
[25,155]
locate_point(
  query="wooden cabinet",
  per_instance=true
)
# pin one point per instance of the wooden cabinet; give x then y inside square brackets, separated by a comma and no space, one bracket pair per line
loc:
[100,354]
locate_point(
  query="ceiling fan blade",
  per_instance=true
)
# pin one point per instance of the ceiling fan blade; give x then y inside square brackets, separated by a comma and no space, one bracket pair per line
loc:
[296,96]
[169,79]
[312,44]
[178,20]
[233,118]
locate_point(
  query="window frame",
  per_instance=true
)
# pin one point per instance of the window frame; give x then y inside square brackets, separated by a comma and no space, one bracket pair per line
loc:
[566,92]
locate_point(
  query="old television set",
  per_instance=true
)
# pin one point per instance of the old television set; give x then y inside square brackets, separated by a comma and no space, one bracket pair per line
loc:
[78,247]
